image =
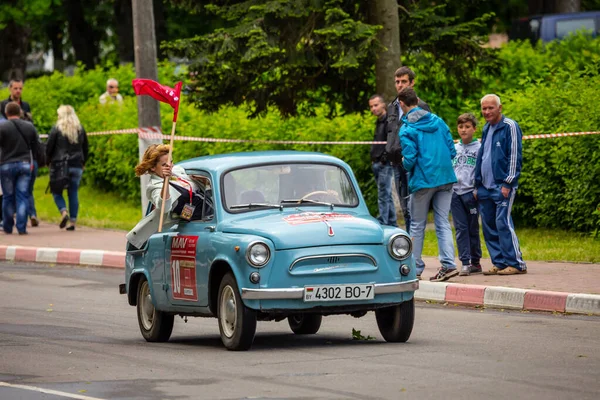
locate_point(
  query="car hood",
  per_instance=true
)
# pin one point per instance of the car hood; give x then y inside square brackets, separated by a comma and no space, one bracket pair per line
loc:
[305,229]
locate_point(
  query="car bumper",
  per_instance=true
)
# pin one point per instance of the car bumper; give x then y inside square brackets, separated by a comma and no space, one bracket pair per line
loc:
[298,293]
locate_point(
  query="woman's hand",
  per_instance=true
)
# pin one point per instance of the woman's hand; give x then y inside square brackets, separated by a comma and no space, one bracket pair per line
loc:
[167,170]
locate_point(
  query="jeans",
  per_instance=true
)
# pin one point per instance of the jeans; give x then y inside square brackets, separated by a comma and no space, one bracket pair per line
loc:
[401,180]
[466,223]
[31,211]
[72,192]
[15,177]
[385,201]
[440,197]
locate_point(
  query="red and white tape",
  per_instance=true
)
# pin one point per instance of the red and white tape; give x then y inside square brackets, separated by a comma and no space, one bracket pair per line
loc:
[156,134]
[555,135]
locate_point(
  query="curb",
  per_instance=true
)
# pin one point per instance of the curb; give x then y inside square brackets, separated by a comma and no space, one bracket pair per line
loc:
[51,255]
[509,298]
[456,293]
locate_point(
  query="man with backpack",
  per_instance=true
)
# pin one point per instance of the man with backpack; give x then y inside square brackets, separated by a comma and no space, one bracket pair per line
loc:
[404,78]
[18,141]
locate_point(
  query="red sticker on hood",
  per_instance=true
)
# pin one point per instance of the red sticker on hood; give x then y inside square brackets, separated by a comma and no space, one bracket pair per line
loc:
[312,217]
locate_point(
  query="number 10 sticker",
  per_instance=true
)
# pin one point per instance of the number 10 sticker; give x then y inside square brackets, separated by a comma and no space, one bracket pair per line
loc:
[183,268]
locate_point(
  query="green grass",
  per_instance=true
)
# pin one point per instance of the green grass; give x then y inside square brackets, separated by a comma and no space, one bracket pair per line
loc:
[96,209]
[539,244]
[101,210]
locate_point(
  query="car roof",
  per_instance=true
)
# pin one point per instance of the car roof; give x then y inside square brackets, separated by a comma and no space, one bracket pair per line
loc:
[575,15]
[221,162]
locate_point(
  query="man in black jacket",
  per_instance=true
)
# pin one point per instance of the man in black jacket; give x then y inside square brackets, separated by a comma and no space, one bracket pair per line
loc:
[404,77]
[382,168]
[16,89]
[18,139]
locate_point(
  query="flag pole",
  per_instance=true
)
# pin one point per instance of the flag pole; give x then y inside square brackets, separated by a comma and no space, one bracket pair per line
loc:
[166,181]
[172,97]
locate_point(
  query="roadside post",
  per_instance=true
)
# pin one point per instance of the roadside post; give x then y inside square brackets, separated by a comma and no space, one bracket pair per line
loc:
[144,41]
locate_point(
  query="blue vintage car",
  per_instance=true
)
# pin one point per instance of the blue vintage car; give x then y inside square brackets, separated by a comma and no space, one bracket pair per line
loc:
[282,235]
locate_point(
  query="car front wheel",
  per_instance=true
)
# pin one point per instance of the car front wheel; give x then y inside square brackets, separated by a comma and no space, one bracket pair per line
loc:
[237,323]
[396,323]
[305,324]
[156,326]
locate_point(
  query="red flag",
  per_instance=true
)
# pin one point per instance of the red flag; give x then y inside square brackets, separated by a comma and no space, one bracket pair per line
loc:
[160,92]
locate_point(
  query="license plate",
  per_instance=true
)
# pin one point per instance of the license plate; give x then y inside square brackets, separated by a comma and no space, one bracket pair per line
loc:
[339,292]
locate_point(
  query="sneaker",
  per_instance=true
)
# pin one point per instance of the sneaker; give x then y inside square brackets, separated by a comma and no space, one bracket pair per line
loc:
[34,221]
[465,270]
[475,269]
[23,233]
[444,274]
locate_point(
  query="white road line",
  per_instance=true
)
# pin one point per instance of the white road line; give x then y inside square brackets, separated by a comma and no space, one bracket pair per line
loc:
[48,391]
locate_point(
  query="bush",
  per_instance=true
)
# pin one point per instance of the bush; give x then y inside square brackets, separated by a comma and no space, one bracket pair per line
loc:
[545,89]
[560,184]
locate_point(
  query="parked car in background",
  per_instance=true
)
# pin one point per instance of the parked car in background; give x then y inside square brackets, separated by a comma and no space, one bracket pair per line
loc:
[555,26]
[282,235]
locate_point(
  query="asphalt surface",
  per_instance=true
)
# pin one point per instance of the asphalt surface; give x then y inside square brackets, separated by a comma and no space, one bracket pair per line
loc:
[67,330]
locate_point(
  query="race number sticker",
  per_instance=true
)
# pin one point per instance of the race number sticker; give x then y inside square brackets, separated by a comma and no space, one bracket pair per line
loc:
[183,268]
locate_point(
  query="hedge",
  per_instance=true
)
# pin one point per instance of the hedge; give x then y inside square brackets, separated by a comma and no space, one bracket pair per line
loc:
[545,89]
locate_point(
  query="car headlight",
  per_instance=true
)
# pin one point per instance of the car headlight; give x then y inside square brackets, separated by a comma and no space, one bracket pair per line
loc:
[258,254]
[400,246]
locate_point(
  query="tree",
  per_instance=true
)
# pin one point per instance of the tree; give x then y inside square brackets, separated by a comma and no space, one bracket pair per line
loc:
[18,20]
[124,28]
[385,13]
[83,37]
[283,54]
[298,53]
[439,44]
[568,6]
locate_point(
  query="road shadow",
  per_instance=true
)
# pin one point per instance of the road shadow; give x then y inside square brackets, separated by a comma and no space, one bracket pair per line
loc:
[275,341]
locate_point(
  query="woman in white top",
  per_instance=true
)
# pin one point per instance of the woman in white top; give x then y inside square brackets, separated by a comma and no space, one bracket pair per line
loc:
[155,163]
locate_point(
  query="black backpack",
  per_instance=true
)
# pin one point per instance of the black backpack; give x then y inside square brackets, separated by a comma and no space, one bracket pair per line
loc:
[393,147]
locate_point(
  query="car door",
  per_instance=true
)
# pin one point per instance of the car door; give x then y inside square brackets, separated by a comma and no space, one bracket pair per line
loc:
[189,251]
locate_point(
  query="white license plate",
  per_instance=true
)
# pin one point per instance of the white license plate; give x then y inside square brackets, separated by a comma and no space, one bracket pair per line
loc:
[339,292]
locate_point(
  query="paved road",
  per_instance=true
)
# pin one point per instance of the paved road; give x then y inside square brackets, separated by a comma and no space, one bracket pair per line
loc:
[67,329]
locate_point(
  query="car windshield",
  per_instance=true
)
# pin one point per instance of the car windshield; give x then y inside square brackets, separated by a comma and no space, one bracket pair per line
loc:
[287,185]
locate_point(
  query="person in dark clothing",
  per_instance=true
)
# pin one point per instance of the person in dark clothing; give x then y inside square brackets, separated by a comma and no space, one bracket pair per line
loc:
[382,168]
[15,87]
[404,78]
[68,140]
[18,140]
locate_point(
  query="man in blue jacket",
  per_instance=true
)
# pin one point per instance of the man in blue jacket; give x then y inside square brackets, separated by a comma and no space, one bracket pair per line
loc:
[496,179]
[428,150]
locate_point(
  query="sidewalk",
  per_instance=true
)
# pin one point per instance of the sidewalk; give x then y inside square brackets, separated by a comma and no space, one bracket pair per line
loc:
[547,285]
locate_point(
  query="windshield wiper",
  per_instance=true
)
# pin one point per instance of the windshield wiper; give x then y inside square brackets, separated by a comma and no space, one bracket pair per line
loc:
[257,205]
[299,201]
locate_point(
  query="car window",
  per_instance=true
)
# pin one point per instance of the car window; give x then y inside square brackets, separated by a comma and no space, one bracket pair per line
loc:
[280,184]
[202,197]
[566,26]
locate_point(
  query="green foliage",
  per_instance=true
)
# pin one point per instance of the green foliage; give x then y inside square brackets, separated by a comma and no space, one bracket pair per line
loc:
[277,53]
[25,12]
[559,186]
[446,50]
[560,180]
[356,335]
